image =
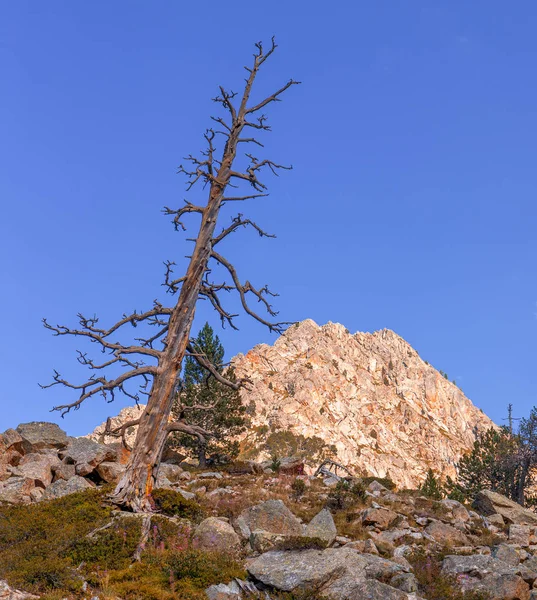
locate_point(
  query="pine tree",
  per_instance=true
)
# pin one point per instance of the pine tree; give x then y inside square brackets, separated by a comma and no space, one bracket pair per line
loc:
[493,463]
[222,412]
[431,487]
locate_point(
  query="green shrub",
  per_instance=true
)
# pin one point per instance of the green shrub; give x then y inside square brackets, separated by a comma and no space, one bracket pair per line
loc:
[275,464]
[173,504]
[112,548]
[202,569]
[435,585]
[300,542]
[36,540]
[346,494]
[299,487]
[358,489]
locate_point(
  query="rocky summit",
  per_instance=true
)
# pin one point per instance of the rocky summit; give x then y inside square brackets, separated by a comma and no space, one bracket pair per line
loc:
[385,409]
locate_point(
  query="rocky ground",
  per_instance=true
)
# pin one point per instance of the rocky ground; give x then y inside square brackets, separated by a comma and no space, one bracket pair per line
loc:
[290,535]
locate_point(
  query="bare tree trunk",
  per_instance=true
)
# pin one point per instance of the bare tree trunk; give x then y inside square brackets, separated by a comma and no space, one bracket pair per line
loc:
[525,467]
[202,458]
[134,488]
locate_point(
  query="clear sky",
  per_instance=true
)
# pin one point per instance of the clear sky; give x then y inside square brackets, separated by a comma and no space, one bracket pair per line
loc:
[411,205]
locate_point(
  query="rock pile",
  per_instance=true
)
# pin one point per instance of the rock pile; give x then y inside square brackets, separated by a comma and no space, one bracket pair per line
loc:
[493,554]
[38,461]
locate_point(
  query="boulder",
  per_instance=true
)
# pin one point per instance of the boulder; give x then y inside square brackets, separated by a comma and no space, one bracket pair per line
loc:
[9,593]
[11,440]
[506,554]
[222,591]
[406,582]
[341,570]
[478,567]
[496,520]
[292,465]
[237,589]
[63,471]
[446,534]
[489,503]
[377,488]
[272,516]
[110,471]
[501,586]
[186,495]
[322,526]
[519,534]
[17,490]
[213,534]
[172,472]
[86,455]
[61,487]
[38,467]
[40,435]
[381,518]
[210,475]
[459,512]
[371,589]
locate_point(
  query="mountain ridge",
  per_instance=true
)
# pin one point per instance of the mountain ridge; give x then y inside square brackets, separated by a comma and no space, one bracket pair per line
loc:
[387,411]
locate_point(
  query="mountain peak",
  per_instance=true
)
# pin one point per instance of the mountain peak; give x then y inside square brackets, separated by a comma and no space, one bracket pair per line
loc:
[387,411]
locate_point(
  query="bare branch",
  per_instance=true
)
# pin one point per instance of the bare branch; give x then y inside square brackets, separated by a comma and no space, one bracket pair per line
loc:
[194,430]
[273,97]
[211,293]
[242,198]
[260,294]
[237,222]
[189,208]
[119,431]
[203,362]
[100,385]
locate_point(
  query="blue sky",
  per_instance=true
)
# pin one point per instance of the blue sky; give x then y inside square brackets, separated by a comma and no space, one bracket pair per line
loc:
[411,205]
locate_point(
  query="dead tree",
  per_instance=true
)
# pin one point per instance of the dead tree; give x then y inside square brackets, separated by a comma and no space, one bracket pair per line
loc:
[154,362]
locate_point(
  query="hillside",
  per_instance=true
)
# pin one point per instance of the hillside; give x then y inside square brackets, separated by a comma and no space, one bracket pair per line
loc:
[386,410]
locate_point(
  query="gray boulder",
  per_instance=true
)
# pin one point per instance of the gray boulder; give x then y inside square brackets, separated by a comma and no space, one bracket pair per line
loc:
[370,589]
[39,435]
[476,565]
[64,487]
[86,455]
[172,472]
[506,554]
[446,534]
[213,534]
[9,593]
[406,582]
[272,516]
[519,534]
[322,526]
[378,517]
[210,475]
[222,591]
[110,471]
[376,486]
[340,570]
[63,471]
[500,586]
[490,503]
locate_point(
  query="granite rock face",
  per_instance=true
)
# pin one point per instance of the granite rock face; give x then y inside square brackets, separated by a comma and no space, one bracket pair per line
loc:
[385,409]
